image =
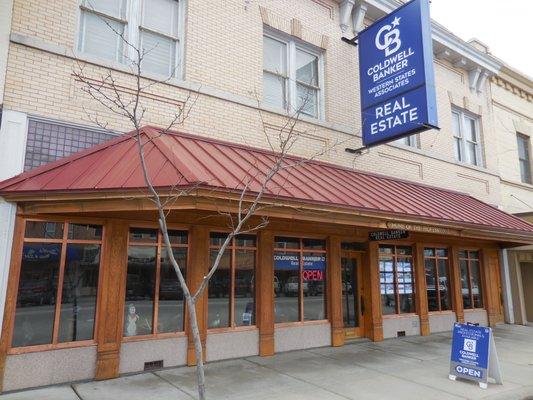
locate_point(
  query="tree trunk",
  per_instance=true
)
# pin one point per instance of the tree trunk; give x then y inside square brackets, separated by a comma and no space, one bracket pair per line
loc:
[191,306]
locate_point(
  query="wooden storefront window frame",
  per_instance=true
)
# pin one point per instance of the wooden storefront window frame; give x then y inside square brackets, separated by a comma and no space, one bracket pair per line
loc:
[436,274]
[159,245]
[233,267]
[469,271]
[64,241]
[398,313]
[300,252]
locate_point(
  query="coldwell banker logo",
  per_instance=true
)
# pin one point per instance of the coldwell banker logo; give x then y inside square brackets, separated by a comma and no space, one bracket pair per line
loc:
[388,38]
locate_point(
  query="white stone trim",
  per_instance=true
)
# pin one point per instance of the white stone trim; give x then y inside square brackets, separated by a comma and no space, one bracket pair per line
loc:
[507,290]
[13,134]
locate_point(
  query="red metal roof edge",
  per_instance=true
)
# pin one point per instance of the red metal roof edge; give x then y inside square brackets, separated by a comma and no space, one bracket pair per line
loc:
[62,161]
[150,130]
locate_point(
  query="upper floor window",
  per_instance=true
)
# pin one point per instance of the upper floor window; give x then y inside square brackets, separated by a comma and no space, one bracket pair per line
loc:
[292,76]
[524,158]
[466,138]
[152,25]
[411,141]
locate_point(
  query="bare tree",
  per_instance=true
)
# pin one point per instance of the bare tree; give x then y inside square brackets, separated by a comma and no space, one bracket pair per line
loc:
[128,105]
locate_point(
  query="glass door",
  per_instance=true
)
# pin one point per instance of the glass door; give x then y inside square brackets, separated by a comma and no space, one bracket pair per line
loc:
[352,296]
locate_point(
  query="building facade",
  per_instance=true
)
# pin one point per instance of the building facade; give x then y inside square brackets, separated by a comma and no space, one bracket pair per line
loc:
[512,99]
[245,80]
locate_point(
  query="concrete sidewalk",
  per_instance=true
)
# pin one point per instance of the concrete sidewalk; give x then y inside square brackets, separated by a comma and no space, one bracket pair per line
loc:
[409,368]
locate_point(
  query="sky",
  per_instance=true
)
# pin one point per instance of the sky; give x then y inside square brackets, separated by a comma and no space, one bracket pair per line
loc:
[505,26]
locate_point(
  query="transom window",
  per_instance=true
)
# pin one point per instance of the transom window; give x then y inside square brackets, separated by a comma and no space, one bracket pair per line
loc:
[524,158]
[291,75]
[58,284]
[231,289]
[396,279]
[154,299]
[437,279]
[299,279]
[470,279]
[152,25]
[466,138]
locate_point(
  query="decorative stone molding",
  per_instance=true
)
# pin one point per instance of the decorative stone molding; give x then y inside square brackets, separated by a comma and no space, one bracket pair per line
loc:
[519,91]
[327,6]
[293,27]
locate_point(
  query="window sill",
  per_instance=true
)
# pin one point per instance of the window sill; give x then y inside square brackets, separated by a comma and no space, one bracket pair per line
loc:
[51,347]
[300,323]
[157,336]
[395,316]
[235,329]
[471,310]
[445,312]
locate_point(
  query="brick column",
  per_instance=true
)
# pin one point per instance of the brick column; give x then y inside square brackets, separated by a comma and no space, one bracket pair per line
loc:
[111,308]
[373,306]
[457,296]
[197,268]
[421,290]
[491,295]
[334,292]
[265,292]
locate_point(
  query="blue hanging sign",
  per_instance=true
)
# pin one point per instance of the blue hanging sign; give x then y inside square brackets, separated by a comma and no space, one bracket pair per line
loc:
[474,355]
[396,75]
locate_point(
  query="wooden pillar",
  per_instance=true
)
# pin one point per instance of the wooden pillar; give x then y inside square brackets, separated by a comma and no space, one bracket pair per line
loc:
[373,300]
[421,290]
[489,267]
[265,292]
[110,315]
[457,296]
[197,268]
[334,292]
[11,295]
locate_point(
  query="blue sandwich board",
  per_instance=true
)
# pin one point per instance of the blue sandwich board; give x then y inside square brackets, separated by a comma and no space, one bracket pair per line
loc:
[474,355]
[396,75]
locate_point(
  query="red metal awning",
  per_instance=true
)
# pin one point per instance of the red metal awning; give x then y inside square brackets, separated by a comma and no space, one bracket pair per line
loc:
[185,160]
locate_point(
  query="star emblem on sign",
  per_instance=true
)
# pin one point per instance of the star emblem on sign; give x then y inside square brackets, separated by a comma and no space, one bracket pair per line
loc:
[396,21]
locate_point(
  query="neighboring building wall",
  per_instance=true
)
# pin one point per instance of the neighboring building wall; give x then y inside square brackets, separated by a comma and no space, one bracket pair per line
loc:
[512,99]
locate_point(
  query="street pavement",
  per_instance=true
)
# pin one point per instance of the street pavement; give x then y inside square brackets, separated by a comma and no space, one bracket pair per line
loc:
[408,368]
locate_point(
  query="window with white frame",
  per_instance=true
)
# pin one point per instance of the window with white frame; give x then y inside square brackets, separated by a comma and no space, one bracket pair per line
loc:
[151,25]
[465,128]
[292,75]
[524,158]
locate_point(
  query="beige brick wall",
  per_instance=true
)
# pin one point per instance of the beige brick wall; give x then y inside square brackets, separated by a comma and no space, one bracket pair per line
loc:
[224,52]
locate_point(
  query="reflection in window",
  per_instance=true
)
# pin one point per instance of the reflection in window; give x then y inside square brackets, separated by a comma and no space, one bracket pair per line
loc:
[396,279]
[437,279]
[145,270]
[299,279]
[470,279]
[231,289]
[43,270]
[80,284]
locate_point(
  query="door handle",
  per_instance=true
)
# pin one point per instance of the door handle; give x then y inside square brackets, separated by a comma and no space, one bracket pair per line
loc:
[362,305]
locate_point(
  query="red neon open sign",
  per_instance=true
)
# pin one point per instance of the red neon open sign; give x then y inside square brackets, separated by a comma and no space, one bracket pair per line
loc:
[313,275]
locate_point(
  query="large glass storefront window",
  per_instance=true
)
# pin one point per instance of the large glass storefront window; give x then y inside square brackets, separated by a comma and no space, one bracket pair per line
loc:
[396,279]
[470,279]
[299,279]
[154,299]
[57,255]
[437,279]
[231,289]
